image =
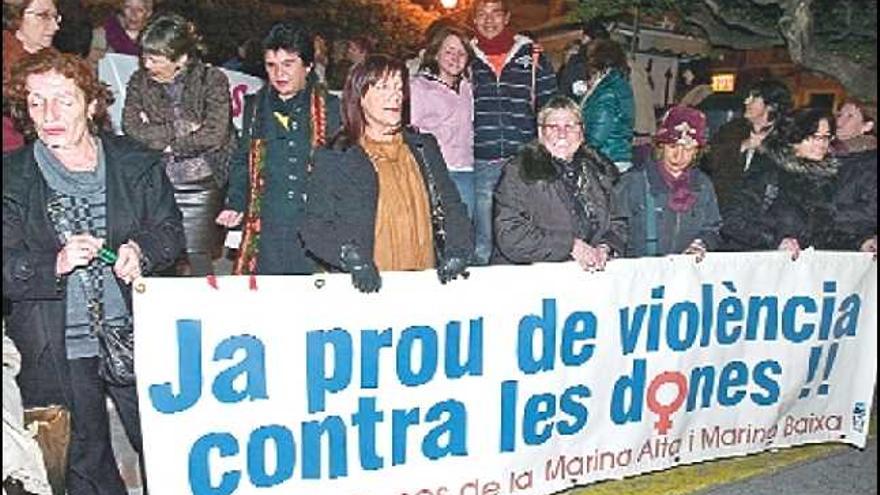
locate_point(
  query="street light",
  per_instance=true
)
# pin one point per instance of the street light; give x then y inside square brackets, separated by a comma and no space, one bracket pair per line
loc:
[449,4]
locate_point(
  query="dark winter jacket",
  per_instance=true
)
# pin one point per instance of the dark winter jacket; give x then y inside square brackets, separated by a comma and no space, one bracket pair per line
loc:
[609,116]
[855,199]
[675,231]
[140,207]
[343,194]
[724,163]
[504,117]
[536,214]
[784,196]
[148,116]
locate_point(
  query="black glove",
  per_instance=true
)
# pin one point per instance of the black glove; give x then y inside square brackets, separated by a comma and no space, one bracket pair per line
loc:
[364,274]
[451,269]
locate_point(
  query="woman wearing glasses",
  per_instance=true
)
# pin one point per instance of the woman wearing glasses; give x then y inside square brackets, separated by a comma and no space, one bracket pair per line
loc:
[786,202]
[28,27]
[553,202]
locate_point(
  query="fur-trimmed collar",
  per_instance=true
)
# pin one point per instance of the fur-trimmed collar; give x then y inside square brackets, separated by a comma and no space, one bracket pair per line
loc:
[859,144]
[536,163]
[786,160]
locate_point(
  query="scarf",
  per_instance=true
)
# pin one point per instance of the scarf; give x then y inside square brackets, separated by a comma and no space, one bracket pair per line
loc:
[680,198]
[499,45]
[117,38]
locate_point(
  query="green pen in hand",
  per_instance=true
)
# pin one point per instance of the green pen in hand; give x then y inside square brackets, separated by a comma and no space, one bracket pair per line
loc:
[107,256]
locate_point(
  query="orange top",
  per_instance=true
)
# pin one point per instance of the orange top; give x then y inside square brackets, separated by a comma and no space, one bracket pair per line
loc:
[404,236]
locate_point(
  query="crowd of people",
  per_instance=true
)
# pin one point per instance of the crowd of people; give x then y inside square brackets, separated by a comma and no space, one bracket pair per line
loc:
[478,156]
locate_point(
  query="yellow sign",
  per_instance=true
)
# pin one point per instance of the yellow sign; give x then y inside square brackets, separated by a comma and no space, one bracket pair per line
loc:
[723,83]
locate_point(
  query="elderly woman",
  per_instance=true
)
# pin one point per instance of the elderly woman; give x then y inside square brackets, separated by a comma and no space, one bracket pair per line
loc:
[668,204]
[443,105]
[554,200]
[119,33]
[178,105]
[28,27]
[788,202]
[73,202]
[380,199]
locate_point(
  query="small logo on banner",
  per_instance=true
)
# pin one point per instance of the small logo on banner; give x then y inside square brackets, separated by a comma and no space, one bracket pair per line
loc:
[858,419]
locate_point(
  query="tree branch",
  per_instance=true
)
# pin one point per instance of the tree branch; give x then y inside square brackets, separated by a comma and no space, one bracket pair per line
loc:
[721,34]
[715,9]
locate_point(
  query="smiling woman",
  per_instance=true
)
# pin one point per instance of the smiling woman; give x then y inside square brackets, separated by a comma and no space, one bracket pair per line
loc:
[381,197]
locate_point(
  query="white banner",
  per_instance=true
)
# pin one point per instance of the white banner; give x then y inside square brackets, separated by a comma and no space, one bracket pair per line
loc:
[115,69]
[524,380]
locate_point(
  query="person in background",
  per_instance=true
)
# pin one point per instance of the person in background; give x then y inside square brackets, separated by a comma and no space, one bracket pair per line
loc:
[322,58]
[380,198]
[248,59]
[120,32]
[65,197]
[28,27]
[177,104]
[442,104]
[357,49]
[512,79]
[608,105]
[669,205]
[554,200]
[855,200]
[787,201]
[573,75]
[75,33]
[736,143]
[284,123]
[694,83]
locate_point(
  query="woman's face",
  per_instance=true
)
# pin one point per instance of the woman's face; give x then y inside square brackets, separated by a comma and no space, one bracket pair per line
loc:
[677,158]
[58,109]
[383,104]
[851,123]
[561,133]
[134,15]
[39,23]
[452,57]
[162,69]
[756,109]
[815,146]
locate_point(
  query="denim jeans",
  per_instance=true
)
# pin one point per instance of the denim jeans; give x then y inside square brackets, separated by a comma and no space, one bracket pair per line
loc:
[486,176]
[464,183]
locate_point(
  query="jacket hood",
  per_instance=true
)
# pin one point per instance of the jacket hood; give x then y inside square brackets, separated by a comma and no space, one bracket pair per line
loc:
[536,163]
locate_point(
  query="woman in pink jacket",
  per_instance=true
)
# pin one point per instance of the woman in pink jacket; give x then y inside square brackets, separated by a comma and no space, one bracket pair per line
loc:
[442,105]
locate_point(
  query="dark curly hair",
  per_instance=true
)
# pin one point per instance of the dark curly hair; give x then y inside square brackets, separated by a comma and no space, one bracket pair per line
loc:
[71,66]
[799,125]
[776,96]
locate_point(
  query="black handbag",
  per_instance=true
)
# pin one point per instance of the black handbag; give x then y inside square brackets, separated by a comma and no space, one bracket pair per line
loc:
[116,350]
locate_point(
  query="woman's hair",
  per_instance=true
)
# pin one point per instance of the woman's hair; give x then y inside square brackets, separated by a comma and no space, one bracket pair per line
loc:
[170,35]
[68,65]
[361,78]
[605,54]
[776,96]
[13,12]
[435,43]
[799,125]
[293,39]
[559,103]
[505,5]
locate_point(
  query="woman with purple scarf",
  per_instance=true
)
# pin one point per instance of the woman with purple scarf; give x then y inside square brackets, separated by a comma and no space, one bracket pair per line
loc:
[669,205]
[120,32]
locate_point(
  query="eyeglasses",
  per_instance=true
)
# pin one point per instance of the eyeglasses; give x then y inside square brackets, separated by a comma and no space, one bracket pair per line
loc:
[561,129]
[45,16]
[820,138]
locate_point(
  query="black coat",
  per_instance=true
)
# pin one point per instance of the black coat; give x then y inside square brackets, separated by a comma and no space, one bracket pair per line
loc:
[535,218]
[783,196]
[343,193]
[855,199]
[140,207]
